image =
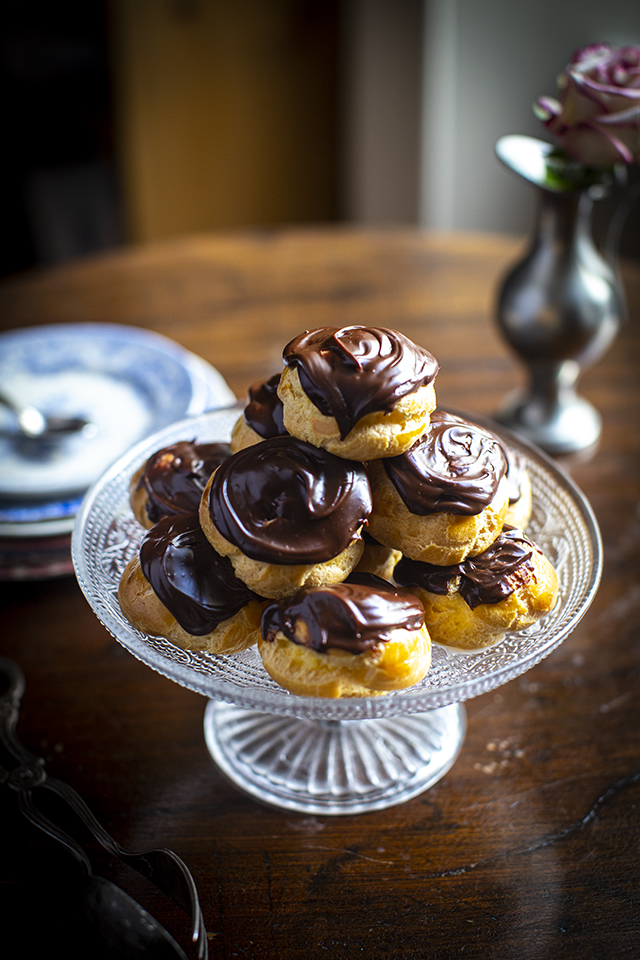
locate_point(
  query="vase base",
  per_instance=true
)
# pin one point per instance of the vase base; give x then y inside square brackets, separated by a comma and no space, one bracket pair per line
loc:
[568,427]
[333,766]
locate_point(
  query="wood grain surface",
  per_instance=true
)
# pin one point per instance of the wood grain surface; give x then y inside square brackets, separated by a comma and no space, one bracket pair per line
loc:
[528,848]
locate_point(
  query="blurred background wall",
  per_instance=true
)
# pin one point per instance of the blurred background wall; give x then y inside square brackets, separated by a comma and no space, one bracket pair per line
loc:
[226,112]
[133,120]
[433,85]
[492,59]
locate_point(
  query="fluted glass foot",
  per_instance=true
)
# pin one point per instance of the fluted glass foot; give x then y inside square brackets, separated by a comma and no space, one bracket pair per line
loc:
[333,766]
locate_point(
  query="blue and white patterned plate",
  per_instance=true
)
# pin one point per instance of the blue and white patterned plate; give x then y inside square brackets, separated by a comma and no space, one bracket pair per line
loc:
[127,382]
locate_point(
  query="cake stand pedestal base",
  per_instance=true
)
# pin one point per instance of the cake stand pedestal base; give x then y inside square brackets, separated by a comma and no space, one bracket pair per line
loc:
[333,766]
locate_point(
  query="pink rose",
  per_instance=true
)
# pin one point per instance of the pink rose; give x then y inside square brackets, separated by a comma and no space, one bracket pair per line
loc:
[597,119]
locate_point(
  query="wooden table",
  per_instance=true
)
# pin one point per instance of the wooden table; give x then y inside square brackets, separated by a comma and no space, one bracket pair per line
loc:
[528,847]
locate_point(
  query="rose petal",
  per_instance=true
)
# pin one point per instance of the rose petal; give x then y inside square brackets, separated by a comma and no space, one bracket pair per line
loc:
[597,118]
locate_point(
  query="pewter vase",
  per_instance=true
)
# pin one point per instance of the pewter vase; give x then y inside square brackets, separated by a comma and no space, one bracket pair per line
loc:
[559,309]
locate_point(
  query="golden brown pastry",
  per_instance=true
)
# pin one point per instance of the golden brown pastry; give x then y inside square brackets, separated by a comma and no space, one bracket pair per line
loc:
[261,419]
[377,559]
[358,638]
[178,587]
[360,392]
[287,514]
[172,479]
[473,604]
[446,498]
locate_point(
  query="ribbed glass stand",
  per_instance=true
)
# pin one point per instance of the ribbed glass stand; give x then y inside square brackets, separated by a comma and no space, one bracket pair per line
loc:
[335,756]
[333,766]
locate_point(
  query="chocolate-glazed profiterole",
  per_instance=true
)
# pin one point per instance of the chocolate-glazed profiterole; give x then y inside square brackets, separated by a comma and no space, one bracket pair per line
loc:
[261,418]
[361,637]
[287,514]
[172,479]
[360,392]
[455,467]
[178,587]
[474,603]
[446,497]
[351,371]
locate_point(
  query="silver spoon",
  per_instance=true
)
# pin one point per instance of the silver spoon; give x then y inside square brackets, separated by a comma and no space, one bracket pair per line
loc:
[163,867]
[118,921]
[33,424]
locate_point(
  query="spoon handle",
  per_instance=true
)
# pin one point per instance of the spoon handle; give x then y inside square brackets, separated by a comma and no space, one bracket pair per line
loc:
[179,885]
[34,425]
[10,404]
[162,867]
[31,421]
[34,816]
[117,917]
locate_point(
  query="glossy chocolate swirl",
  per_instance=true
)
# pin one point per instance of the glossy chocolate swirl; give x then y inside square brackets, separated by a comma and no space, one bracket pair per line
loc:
[263,413]
[490,577]
[348,372]
[286,501]
[454,468]
[195,584]
[354,615]
[175,477]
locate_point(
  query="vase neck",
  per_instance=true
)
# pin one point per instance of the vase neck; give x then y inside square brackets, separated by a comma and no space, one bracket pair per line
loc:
[563,219]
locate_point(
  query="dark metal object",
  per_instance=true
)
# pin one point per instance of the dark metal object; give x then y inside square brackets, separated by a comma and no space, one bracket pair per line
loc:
[108,907]
[121,925]
[559,309]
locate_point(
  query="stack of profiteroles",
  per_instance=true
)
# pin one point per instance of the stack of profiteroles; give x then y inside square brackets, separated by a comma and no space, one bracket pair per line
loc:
[347,526]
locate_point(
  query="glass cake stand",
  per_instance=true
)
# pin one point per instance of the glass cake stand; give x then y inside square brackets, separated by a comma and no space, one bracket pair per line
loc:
[320,756]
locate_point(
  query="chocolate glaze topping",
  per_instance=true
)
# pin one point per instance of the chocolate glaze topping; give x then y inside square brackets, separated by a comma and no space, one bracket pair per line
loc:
[490,577]
[454,468]
[263,413]
[195,584]
[354,615]
[286,501]
[175,476]
[348,372]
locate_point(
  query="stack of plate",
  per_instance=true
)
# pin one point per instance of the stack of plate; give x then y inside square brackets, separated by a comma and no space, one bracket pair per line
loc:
[127,383]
